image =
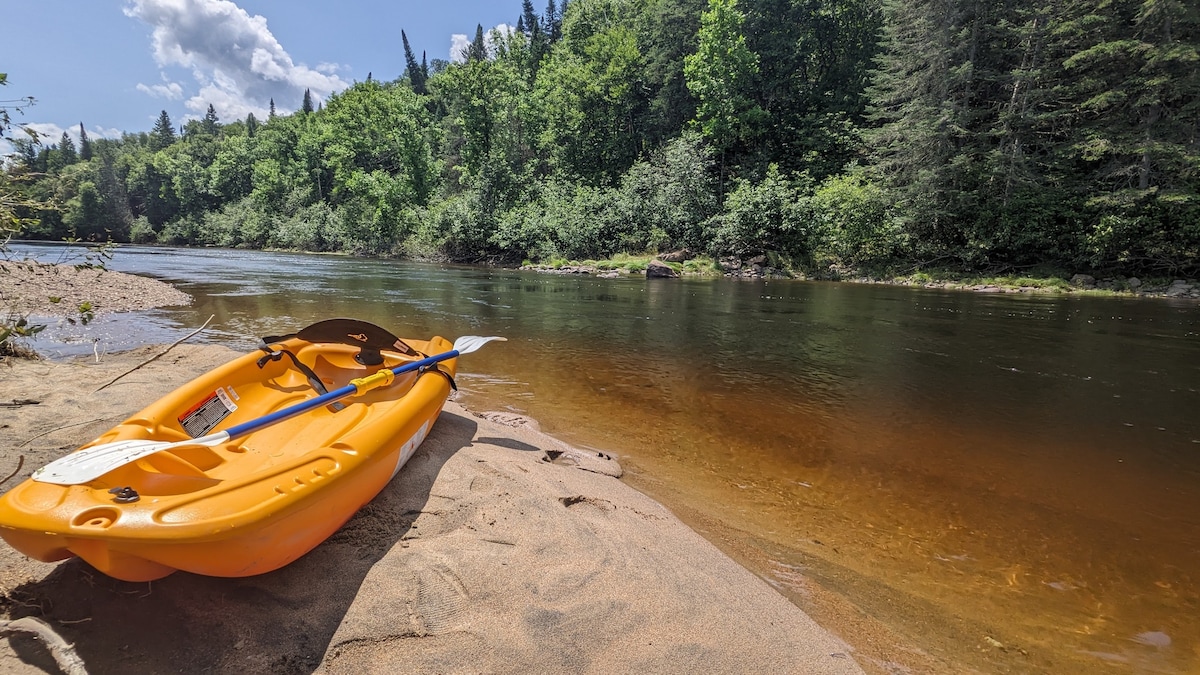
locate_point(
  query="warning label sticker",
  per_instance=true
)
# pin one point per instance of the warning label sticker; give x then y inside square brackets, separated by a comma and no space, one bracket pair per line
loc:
[207,414]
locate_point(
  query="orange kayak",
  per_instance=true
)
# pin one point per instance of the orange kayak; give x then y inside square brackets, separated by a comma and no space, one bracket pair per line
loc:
[169,497]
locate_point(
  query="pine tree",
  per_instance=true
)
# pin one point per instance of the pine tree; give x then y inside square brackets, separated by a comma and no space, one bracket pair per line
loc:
[530,18]
[416,76]
[66,148]
[211,123]
[85,145]
[307,105]
[251,125]
[552,23]
[477,50]
[271,111]
[163,133]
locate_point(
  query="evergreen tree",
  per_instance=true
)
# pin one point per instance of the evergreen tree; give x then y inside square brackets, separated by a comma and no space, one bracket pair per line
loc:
[477,50]
[307,105]
[552,23]
[85,145]
[251,125]
[416,75]
[163,133]
[66,147]
[530,18]
[271,110]
[211,123]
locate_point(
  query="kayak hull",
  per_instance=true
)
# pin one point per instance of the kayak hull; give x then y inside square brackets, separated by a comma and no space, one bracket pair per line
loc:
[252,504]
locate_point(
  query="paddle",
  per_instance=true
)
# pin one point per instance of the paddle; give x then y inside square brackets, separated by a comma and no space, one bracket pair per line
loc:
[91,463]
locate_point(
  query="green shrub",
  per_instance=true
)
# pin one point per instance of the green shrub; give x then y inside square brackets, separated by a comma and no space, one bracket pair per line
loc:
[142,232]
[854,222]
[761,217]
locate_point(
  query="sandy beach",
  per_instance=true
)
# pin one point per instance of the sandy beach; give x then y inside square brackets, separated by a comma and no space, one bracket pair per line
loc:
[496,549]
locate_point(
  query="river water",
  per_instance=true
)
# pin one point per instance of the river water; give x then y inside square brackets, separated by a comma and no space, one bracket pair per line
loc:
[1010,482]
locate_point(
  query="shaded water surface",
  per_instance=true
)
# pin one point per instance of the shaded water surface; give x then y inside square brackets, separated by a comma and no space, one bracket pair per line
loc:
[990,470]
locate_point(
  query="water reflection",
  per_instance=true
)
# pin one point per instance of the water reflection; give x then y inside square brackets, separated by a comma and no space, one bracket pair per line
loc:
[1024,468]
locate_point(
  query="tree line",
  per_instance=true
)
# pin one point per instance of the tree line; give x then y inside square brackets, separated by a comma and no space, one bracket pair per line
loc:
[846,134]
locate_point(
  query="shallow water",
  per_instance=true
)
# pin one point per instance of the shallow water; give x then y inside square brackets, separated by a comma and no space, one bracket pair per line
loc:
[1019,469]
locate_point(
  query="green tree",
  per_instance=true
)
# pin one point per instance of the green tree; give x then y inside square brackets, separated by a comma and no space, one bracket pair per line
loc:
[591,94]
[211,123]
[306,106]
[477,50]
[416,74]
[376,143]
[667,32]
[163,133]
[66,148]
[85,145]
[815,60]
[720,75]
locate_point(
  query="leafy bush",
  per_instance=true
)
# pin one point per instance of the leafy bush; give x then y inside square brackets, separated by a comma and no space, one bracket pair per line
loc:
[665,202]
[306,230]
[142,232]
[761,217]
[854,222]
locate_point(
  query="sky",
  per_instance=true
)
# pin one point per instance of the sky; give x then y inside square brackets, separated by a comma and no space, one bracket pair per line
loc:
[115,64]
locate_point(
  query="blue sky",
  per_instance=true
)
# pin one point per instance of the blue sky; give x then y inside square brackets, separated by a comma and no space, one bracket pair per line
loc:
[114,64]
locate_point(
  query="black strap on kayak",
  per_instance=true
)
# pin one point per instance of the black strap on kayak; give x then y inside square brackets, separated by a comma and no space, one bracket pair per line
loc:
[276,354]
[434,368]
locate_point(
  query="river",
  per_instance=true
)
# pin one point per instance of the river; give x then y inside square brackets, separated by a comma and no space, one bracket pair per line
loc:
[1011,482]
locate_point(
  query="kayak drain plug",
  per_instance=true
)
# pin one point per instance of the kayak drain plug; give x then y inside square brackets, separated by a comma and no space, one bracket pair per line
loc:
[125,495]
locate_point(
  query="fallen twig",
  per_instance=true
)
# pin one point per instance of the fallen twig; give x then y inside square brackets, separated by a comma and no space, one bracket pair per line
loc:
[20,402]
[20,463]
[47,433]
[158,355]
[63,652]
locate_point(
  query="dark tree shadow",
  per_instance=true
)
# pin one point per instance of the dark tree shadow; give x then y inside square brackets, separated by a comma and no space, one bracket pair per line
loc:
[280,622]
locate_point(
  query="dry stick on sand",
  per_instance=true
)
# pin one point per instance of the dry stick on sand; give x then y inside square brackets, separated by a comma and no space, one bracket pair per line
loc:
[20,465]
[158,355]
[62,651]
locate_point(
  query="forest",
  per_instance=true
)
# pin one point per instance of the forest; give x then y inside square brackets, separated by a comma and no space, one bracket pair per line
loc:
[864,135]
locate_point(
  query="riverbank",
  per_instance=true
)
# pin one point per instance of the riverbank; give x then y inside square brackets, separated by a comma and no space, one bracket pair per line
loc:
[761,267]
[67,290]
[521,554]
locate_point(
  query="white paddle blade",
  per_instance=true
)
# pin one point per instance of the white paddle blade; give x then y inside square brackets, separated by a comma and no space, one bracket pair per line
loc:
[91,463]
[469,343]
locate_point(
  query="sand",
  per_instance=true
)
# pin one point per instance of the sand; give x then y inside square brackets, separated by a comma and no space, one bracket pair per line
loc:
[496,549]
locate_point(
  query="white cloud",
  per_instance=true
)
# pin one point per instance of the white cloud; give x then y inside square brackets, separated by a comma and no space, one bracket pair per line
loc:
[460,42]
[458,45]
[50,133]
[238,64]
[172,91]
[100,131]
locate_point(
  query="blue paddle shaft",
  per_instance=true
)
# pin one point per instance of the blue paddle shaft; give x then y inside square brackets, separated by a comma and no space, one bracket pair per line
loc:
[325,399]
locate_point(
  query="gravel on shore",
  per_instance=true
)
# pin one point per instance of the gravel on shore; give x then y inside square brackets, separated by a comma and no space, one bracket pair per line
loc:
[59,290]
